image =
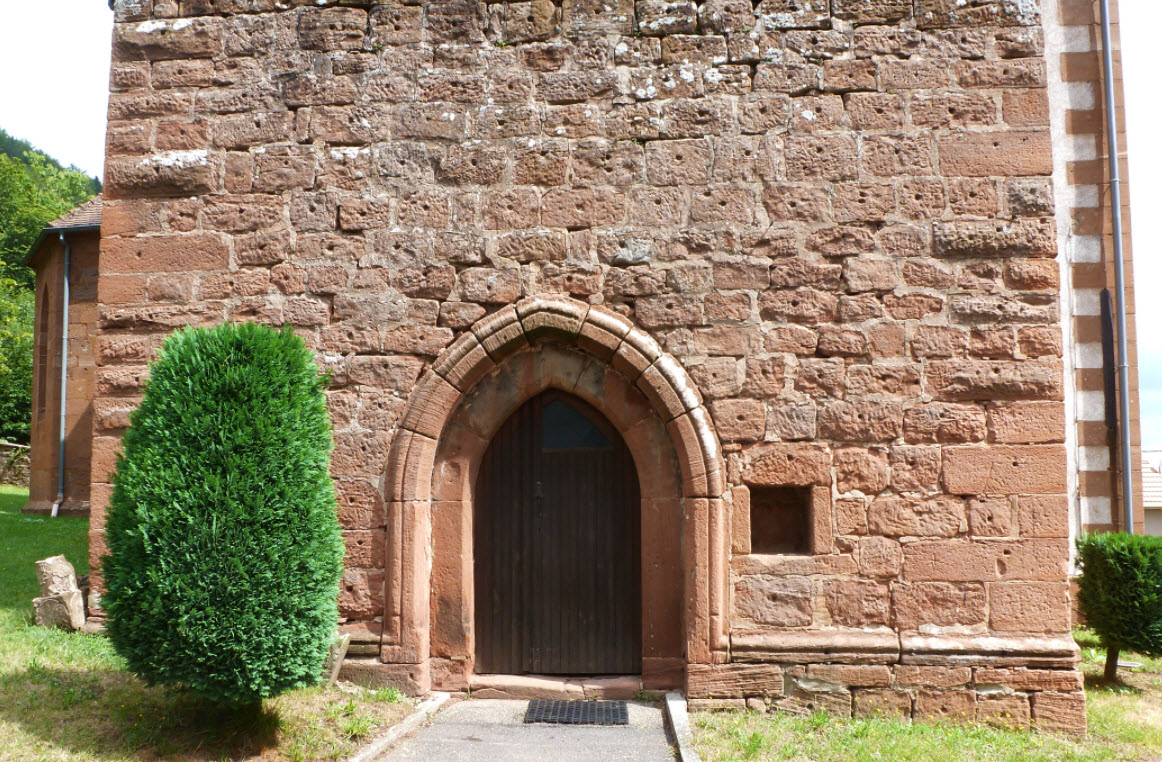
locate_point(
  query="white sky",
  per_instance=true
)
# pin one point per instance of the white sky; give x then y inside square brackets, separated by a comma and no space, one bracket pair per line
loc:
[1140,20]
[54,77]
[54,55]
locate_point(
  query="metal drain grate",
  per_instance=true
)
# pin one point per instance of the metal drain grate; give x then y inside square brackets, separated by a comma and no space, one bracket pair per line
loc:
[577,712]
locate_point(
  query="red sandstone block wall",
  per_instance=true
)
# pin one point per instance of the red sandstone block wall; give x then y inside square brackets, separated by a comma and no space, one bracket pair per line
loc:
[836,216]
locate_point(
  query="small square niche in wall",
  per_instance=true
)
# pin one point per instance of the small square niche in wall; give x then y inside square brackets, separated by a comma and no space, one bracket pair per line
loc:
[780,520]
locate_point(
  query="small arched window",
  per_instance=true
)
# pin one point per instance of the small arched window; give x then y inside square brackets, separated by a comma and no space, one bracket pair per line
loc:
[41,342]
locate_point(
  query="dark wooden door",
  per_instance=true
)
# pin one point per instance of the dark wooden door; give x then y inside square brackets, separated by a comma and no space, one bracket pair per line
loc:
[557,535]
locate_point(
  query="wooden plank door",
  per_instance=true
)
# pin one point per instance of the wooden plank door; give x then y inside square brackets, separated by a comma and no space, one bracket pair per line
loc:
[557,545]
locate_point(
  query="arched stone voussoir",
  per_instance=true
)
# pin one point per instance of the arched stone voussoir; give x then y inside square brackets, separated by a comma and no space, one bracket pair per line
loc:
[464,362]
[638,351]
[702,471]
[609,320]
[559,319]
[430,405]
[707,441]
[603,332]
[716,486]
[645,344]
[501,333]
[410,458]
[668,386]
[677,378]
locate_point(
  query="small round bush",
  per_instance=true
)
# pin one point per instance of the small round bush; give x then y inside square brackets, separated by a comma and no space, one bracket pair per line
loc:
[1120,593]
[224,549]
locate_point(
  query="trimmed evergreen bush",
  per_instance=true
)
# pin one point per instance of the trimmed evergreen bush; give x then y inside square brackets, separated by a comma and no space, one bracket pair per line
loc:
[225,551]
[1120,593]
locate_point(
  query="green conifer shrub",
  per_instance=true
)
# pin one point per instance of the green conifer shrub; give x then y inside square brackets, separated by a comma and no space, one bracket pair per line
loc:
[1120,593]
[224,548]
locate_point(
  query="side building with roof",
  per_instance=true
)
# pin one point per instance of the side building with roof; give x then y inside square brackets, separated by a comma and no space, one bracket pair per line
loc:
[66,252]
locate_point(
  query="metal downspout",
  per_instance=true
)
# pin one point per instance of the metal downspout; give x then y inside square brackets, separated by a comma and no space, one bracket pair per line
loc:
[1119,271]
[60,477]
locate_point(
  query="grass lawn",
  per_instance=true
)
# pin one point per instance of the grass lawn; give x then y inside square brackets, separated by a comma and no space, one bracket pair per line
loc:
[1125,723]
[68,697]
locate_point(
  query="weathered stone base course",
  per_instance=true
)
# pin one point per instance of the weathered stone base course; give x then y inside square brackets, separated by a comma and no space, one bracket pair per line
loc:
[1050,700]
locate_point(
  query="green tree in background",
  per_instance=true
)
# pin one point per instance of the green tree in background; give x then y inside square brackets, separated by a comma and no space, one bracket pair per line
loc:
[34,190]
[33,193]
[16,316]
[17,148]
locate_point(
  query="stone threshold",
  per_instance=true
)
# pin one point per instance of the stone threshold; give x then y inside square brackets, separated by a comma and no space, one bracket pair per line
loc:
[551,687]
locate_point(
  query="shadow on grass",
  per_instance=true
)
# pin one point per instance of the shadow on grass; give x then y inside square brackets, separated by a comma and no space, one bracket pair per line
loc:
[110,714]
[1118,685]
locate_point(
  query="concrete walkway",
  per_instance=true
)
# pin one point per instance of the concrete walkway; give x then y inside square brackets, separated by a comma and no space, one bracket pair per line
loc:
[494,729]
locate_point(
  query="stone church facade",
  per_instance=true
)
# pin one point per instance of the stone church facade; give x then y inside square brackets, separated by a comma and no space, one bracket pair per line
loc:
[799,257]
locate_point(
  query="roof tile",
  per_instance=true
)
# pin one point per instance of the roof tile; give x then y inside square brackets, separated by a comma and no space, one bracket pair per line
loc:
[87,215]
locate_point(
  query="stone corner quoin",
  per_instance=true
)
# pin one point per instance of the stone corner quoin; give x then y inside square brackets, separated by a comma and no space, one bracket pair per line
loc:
[809,247]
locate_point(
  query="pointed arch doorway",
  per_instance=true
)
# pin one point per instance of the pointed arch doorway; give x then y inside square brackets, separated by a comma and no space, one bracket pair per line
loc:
[432,602]
[557,537]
